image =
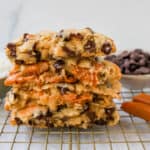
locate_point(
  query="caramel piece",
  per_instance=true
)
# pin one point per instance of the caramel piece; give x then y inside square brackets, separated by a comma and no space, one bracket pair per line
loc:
[137,109]
[143,98]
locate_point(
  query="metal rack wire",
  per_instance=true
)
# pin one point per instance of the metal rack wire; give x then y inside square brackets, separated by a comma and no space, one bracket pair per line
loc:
[130,133]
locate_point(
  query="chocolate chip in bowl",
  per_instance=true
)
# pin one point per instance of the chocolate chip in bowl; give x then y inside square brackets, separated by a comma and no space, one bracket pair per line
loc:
[135,67]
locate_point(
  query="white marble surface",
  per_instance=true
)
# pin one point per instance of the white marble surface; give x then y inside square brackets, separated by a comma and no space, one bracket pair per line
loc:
[127,22]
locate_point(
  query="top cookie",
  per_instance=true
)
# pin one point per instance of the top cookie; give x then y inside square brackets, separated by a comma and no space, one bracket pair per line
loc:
[82,42]
[32,48]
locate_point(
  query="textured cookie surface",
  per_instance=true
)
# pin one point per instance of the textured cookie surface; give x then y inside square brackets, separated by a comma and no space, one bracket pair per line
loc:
[99,112]
[32,48]
[59,80]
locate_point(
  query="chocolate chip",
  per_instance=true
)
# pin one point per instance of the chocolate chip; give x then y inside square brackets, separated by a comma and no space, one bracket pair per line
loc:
[49,125]
[138,50]
[101,122]
[69,51]
[12,48]
[73,35]
[31,122]
[134,62]
[37,52]
[106,48]
[69,75]
[77,35]
[40,117]
[133,67]
[18,121]
[49,113]
[59,65]
[142,62]
[95,97]
[63,90]
[25,37]
[37,55]
[90,46]
[109,111]
[15,95]
[19,62]
[60,107]
[88,28]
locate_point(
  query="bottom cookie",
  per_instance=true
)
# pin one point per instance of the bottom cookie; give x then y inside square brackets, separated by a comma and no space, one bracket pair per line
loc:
[80,116]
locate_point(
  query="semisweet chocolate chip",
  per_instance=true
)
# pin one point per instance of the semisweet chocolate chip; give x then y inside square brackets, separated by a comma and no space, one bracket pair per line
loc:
[88,28]
[90,46]
[37,55]
[31,122]
[12,48]
[96,97]
[69,75]
[101,122]
[63,90]
[59,65]
[106,48]
[142,62]
[19,62]
[73,35]
[138,50]
[133,67]
[109,111]
[49,113]
[60,107]
[134,62]
[15,95]
[69,51]
[148,64]
[40,117]
[18,121]
[25,37]
[49,125]
[77,35]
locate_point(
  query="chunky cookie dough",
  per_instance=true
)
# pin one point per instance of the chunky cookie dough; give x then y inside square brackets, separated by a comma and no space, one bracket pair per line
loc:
[32,48]
[78,115]
[59,80]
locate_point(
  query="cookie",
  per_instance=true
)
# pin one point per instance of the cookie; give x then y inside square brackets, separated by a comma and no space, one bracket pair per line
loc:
[81,116]
[32,48]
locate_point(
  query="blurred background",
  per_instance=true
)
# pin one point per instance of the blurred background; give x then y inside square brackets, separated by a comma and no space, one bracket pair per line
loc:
[127,22]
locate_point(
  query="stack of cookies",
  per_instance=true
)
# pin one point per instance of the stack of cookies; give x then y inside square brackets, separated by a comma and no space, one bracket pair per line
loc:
[60,80]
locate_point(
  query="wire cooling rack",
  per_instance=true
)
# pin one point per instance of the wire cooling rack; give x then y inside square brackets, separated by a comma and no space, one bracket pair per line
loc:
[131,133]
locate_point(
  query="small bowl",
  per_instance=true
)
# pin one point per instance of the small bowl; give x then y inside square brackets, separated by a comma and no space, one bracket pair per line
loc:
[136,82]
